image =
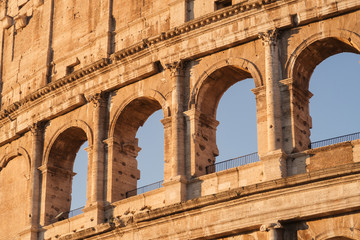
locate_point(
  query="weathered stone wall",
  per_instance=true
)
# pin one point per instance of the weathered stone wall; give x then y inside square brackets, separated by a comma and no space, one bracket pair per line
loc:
[14,208]
[86,70]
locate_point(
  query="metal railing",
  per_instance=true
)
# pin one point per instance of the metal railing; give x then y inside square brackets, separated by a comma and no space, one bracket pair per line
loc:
[234,162]
[330,141]
[65,215]
[76,212]
[144,189]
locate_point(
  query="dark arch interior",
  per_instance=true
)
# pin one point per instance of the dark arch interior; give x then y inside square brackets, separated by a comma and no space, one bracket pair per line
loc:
[125,164]
[133,116]
[60,173]
[314,54]
[216,85]
[63,151]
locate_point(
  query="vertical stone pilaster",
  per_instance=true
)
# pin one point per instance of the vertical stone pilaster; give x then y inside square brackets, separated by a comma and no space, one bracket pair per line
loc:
[98,154]
[177,118]
[274,230]
[177,181]
[99,105]
[272,78]
[274,161]
[37,138]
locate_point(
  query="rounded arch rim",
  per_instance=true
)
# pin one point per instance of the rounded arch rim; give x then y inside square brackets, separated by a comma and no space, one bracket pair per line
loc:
[348,37]
[240,63]
[13,154]
[73,123]
[150,94]
[339,232]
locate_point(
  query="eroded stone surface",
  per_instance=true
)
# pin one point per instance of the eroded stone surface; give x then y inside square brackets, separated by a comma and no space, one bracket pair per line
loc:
[76,71]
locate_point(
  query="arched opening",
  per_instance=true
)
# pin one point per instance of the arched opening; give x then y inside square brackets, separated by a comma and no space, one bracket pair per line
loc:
[236,134]
[306,62]
[58,174]
[125,172]
[79,183]
[151,156]
[333,107]
[210,93]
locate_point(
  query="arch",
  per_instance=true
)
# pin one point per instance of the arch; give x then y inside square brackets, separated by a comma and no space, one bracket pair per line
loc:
[13,154]
[151,94]
[72,124]
[347,233]
[204,99]
[326,44]
[123,144]
[243,67]
[57,169]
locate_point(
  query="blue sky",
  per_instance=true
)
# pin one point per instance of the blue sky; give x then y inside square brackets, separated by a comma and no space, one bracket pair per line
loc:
[334,108]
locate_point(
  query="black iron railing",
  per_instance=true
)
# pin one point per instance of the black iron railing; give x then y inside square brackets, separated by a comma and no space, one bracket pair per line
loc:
[330,141]
[231,163]
[65,215]
[144,189]
[76,212]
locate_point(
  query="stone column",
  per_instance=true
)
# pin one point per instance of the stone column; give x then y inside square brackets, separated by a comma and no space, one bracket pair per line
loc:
[37,135]
[274,161]
[98,152]
[98,155]
[176,185]
[177,118]
[272,90]
[274,230]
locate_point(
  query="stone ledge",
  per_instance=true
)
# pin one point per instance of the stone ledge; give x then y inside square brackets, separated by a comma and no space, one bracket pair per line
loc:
[101,228]
[301,179]
[267,190]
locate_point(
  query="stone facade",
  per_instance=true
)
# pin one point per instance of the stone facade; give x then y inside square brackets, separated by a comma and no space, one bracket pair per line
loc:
[95,70]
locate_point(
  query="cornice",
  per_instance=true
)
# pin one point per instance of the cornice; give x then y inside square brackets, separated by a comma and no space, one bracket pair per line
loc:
[124,53]
[191,26]
[51,87]
[138,49]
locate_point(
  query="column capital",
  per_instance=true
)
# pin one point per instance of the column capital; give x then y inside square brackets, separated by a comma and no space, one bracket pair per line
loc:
[270,226]
[98,99]
[270,37]
[36,128]
[175,67]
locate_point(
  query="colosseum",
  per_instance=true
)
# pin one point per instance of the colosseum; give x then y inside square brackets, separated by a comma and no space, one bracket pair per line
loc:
[76,71]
